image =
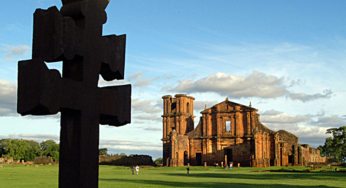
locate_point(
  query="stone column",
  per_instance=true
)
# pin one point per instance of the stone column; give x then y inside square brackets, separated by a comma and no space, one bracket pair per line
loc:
[164,127]
[248,122]
[205,124]
[177,124]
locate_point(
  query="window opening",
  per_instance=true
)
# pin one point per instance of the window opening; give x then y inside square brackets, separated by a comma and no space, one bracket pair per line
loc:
[228,126]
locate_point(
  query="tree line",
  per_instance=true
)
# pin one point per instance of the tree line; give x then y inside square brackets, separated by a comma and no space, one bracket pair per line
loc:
[335,146]
[104,151]
[27,150]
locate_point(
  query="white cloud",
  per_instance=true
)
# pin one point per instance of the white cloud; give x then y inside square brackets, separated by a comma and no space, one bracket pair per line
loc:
[276,117]
[332,121]
[146,106]
[14,51]
[306,97]
[146,110]
[256,84]
[139,81]
[148,117]
[8,98]
[150,128]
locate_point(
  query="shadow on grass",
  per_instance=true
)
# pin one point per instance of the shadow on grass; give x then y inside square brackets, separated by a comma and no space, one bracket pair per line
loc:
[270,175]
[204,184]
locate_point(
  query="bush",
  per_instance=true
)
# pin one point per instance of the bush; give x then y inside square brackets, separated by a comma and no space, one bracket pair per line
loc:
[158,161]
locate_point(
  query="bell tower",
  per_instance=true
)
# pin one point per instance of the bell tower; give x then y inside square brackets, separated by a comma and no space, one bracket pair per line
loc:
[178,118]
[177,114]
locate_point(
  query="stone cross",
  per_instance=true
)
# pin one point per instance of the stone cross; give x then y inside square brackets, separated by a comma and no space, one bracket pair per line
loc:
[73,35]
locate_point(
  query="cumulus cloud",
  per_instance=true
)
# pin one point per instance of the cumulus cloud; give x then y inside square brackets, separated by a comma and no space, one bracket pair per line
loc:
[146,106]
[12,52]
[299,125]
[256,84]
[139,81]
[8,98]
[276,117]
[331,121]
[146,110]
[306,97]
[314,136]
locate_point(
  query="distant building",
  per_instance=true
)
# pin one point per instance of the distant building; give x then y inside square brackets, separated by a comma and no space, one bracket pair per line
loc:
[227,132]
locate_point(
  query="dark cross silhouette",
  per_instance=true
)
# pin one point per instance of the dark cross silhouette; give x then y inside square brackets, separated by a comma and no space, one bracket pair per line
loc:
[74,35]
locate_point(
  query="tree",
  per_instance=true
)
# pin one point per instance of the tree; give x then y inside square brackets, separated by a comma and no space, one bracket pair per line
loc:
[103,151]
[50,148]
[33,152]
[14,148]
[158,161]
[335,146]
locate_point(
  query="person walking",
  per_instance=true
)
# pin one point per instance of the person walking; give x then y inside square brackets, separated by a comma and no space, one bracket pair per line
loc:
[137,169]
[188,169]
[133,170]
[230,166]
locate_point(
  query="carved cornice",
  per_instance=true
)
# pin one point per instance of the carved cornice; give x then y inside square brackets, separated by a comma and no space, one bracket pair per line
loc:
[166,96]
[178,114]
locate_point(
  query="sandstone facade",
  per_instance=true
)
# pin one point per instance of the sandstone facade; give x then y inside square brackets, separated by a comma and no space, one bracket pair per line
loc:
[227,132]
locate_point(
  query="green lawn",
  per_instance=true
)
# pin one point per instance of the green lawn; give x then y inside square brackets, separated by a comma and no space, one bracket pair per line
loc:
[117,176]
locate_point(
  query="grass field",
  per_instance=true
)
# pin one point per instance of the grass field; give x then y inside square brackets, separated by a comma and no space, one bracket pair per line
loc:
[117,176]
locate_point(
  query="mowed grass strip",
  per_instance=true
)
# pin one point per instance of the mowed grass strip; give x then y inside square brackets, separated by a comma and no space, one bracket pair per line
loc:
[121,176]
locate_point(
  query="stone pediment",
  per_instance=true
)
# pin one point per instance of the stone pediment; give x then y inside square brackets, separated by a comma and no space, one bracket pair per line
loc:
[228,106]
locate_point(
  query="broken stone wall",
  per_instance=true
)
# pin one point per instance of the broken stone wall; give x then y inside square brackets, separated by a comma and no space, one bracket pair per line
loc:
[315,156]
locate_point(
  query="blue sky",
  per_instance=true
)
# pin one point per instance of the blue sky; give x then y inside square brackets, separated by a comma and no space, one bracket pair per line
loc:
[286,57]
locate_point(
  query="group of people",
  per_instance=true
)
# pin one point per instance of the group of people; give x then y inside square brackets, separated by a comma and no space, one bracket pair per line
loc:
[230,166]
[133,169]
[225,165]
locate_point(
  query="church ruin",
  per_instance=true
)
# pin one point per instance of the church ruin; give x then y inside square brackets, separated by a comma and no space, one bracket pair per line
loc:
[227,132]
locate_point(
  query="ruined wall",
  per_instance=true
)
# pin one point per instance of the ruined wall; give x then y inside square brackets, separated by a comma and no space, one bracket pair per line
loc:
[287,137]
[241,153]
[262,146]
[195,149]
[315,156]
[181,149]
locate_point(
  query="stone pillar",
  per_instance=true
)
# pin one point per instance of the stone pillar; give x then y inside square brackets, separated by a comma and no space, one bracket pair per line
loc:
[182,125]
[283,157]
[164,127]
[248,122]
[177,124]
[300,156]
[295,155]
[205,124]
[204,146]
